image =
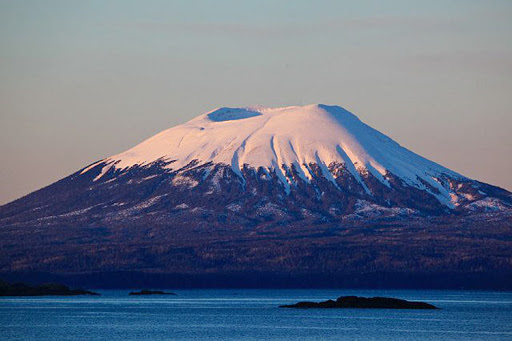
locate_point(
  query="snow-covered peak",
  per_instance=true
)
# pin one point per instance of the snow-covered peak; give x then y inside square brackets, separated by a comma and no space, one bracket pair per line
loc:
[295,135]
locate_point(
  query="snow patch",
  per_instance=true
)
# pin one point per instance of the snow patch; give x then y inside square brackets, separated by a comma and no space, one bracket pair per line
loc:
[270,209]
[150,202]
[182,206]
[488,205]
[365,208]
[234,207]
[180,180]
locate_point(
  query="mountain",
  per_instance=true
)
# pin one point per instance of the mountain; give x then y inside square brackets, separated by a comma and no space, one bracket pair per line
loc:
[296,190]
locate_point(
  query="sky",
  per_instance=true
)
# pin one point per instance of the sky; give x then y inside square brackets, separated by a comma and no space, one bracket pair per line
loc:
[83,80]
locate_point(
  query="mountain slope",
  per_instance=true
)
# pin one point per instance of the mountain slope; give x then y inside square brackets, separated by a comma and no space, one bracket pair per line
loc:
[243,189]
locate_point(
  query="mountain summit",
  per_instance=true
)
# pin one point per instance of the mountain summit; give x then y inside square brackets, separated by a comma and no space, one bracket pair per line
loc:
[295,144]
[294,189]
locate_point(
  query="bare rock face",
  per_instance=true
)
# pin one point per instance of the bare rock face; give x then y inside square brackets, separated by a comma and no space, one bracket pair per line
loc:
[272,190]
[363,303]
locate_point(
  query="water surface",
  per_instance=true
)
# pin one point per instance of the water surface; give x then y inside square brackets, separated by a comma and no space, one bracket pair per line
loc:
[254,315]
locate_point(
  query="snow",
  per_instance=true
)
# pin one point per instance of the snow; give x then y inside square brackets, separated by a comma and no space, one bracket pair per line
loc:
[488,204]
[297,135]
[77,212]
[149,202]
[149,177]
[270,209]
[185,181]
[367,209]
[234,207]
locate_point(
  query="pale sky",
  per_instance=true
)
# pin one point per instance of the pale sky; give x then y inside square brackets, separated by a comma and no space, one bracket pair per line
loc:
[83,80]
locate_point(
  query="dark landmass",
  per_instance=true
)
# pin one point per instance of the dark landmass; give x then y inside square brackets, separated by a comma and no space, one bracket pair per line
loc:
[236,237]
[51,289]
[461,280]
[151,292]
[363,303]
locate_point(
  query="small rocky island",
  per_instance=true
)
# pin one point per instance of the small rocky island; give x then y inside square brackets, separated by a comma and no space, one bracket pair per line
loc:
[151,292]
[364,303]
[52,289]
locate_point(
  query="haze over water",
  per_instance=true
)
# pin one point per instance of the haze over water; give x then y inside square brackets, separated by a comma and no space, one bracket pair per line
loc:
[254,315]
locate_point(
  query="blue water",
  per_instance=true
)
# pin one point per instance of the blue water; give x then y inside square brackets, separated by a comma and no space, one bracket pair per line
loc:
[254,315]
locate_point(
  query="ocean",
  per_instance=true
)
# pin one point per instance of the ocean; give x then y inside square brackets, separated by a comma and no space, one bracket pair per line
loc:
[239,314]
